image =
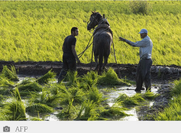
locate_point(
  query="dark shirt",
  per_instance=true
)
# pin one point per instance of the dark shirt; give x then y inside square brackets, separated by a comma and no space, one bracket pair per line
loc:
[67,46]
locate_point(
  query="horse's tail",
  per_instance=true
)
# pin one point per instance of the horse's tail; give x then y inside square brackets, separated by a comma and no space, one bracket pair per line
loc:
[101,55]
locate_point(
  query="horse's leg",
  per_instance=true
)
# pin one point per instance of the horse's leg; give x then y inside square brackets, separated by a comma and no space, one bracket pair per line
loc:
[106,56]
[101,54]
[95,58]
[105,62]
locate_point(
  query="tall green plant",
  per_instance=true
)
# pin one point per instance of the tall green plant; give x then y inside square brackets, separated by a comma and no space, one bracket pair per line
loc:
[140,7]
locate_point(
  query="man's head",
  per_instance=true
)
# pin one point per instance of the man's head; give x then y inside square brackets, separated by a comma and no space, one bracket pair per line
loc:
[143,33]
[74,31]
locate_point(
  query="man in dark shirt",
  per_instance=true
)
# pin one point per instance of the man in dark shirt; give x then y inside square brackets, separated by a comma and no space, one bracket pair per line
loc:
[69,54]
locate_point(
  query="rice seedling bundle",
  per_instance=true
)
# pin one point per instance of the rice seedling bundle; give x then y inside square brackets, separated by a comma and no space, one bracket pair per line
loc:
[89,79]
[149,95]
[10,73]
[39,108]
[1,99]
[69,112]
[27,81]
[72,78]
[138,97]
[87,110]
[114,113]
[17,94]
[110,78]
[171,112]
[30,87]
[127,101]
[14,110]
[121,97]
[36,119]
[45,78]
[95,96]
[45,98]
[176,90]
[4,82]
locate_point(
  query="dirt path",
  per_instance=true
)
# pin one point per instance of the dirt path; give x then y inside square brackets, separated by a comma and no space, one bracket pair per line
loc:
[160,74]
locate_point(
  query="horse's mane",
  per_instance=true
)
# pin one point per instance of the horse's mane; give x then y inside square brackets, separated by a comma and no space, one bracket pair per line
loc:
[104,24]
[98,14]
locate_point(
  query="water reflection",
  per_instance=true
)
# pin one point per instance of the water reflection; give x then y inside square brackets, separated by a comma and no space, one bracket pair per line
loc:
[129,91]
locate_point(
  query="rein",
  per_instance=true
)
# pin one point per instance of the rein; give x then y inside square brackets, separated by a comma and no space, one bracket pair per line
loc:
[89,44]
[119,75]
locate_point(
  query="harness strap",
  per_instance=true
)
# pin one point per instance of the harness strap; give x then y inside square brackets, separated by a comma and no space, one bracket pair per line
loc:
[103,26]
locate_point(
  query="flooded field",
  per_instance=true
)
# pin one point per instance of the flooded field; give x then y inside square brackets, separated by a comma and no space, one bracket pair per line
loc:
[111,96]
[87,97]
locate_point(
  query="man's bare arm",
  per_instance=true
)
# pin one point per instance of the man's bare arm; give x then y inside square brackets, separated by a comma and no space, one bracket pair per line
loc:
[75,54]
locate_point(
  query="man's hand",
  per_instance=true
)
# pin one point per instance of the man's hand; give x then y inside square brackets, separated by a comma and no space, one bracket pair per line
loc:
[122,39]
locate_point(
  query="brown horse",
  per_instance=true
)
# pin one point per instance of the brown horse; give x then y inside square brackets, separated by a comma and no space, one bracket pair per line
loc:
[102,39]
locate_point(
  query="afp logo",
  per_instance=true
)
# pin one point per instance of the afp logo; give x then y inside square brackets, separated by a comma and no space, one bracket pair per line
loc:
[21,129]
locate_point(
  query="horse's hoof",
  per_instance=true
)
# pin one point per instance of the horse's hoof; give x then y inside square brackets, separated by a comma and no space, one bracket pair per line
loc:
[105,69]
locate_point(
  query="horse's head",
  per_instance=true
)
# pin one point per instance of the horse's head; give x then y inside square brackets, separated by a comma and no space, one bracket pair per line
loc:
[94,20]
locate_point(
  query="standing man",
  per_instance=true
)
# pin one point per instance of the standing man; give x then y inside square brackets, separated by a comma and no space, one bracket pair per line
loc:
[69,54]
[143,73]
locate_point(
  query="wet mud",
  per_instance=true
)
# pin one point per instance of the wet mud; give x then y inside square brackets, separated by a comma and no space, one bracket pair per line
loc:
[159,74]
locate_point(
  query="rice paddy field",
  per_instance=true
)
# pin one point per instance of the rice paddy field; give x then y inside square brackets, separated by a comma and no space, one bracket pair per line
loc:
[35,30]
[78,98]
[85,98]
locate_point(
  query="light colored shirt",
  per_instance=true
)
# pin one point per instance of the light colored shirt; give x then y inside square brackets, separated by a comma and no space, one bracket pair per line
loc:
[145,47]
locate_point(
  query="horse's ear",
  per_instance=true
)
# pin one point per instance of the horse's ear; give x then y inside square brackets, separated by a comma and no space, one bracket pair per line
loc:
[103,15]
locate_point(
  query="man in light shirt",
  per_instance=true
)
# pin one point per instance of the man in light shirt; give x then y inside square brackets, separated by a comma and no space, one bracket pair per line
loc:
[143,73]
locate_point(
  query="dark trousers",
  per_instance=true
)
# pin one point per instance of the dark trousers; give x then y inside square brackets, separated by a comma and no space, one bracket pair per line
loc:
[69,64]
[143,74]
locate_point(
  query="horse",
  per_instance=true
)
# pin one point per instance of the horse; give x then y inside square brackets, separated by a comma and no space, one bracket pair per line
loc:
[102,39]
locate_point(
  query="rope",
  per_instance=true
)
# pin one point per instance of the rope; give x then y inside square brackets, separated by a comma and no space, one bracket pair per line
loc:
[88,45]
[91,58]
[119,75]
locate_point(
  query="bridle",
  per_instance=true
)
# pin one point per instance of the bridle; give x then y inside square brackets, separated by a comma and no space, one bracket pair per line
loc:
[94,19]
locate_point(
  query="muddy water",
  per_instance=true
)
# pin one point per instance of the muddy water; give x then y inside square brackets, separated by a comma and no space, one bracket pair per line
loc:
[128,90]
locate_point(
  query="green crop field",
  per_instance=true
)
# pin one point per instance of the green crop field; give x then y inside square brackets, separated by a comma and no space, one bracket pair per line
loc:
[35,30]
